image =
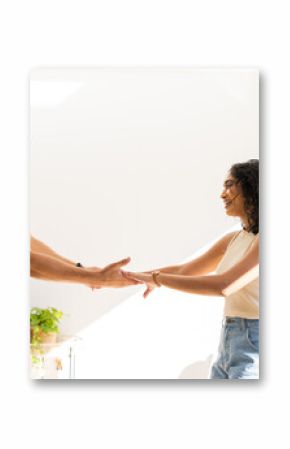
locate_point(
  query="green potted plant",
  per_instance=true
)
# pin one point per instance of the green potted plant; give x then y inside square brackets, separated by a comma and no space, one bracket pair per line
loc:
[44,327]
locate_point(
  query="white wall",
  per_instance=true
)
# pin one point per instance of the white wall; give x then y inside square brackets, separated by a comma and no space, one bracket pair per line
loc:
[130,162]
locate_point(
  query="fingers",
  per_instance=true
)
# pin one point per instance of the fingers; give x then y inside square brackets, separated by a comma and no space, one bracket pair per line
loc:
[146,293]
[128,275]
[131,277]
[128,278]
[135,281]
[118,264]
[123,262]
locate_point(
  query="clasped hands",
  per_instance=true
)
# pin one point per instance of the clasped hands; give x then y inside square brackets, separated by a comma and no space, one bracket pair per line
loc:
[113,276]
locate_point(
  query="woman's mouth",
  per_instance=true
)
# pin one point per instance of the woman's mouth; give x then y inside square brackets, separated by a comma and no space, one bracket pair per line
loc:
[227,203]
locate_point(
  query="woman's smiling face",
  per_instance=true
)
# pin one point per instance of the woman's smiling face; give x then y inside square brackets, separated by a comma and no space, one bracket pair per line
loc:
[232,197]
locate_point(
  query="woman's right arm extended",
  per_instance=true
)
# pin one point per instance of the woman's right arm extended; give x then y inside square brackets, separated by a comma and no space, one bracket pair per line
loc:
[203,264]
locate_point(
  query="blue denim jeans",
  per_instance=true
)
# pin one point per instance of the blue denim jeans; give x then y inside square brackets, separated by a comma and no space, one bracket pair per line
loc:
[238,354]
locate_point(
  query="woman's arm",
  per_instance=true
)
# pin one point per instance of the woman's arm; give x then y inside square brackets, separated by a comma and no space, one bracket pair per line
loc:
[205,263]
[222,284]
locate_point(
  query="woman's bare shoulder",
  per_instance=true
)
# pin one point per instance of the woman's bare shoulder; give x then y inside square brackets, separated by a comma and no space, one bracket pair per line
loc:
[227,240]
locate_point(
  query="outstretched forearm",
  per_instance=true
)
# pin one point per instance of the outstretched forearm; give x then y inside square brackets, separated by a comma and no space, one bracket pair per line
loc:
[199,285]
[205,263]
[37,246]
[173,269]
[49,268]
[196,268]
[46,267]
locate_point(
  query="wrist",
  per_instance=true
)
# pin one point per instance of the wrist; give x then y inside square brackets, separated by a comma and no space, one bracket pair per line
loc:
[155,278]
[88,276]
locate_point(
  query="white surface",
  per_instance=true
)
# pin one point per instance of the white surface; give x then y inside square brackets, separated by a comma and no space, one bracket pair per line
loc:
[143,415]
[131,161]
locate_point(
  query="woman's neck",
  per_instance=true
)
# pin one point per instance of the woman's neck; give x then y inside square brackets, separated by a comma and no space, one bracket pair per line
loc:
[245,224]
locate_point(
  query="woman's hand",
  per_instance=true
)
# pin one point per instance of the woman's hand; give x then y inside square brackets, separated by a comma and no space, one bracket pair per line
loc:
[145,278]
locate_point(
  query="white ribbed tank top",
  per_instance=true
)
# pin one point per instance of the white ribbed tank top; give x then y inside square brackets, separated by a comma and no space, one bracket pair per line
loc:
[245,302]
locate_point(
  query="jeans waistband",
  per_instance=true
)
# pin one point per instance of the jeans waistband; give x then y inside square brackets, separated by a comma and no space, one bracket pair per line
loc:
[242,322]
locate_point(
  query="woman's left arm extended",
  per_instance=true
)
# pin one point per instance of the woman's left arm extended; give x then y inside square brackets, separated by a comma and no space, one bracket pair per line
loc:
[222,284]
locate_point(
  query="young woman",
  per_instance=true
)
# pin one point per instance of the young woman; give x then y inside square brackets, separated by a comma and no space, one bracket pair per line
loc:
[234,259]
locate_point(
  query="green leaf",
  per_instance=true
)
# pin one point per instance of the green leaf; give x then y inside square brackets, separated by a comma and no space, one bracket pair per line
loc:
[45,319]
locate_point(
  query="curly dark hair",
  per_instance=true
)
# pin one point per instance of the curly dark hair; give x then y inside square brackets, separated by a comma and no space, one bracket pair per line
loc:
[247,174]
